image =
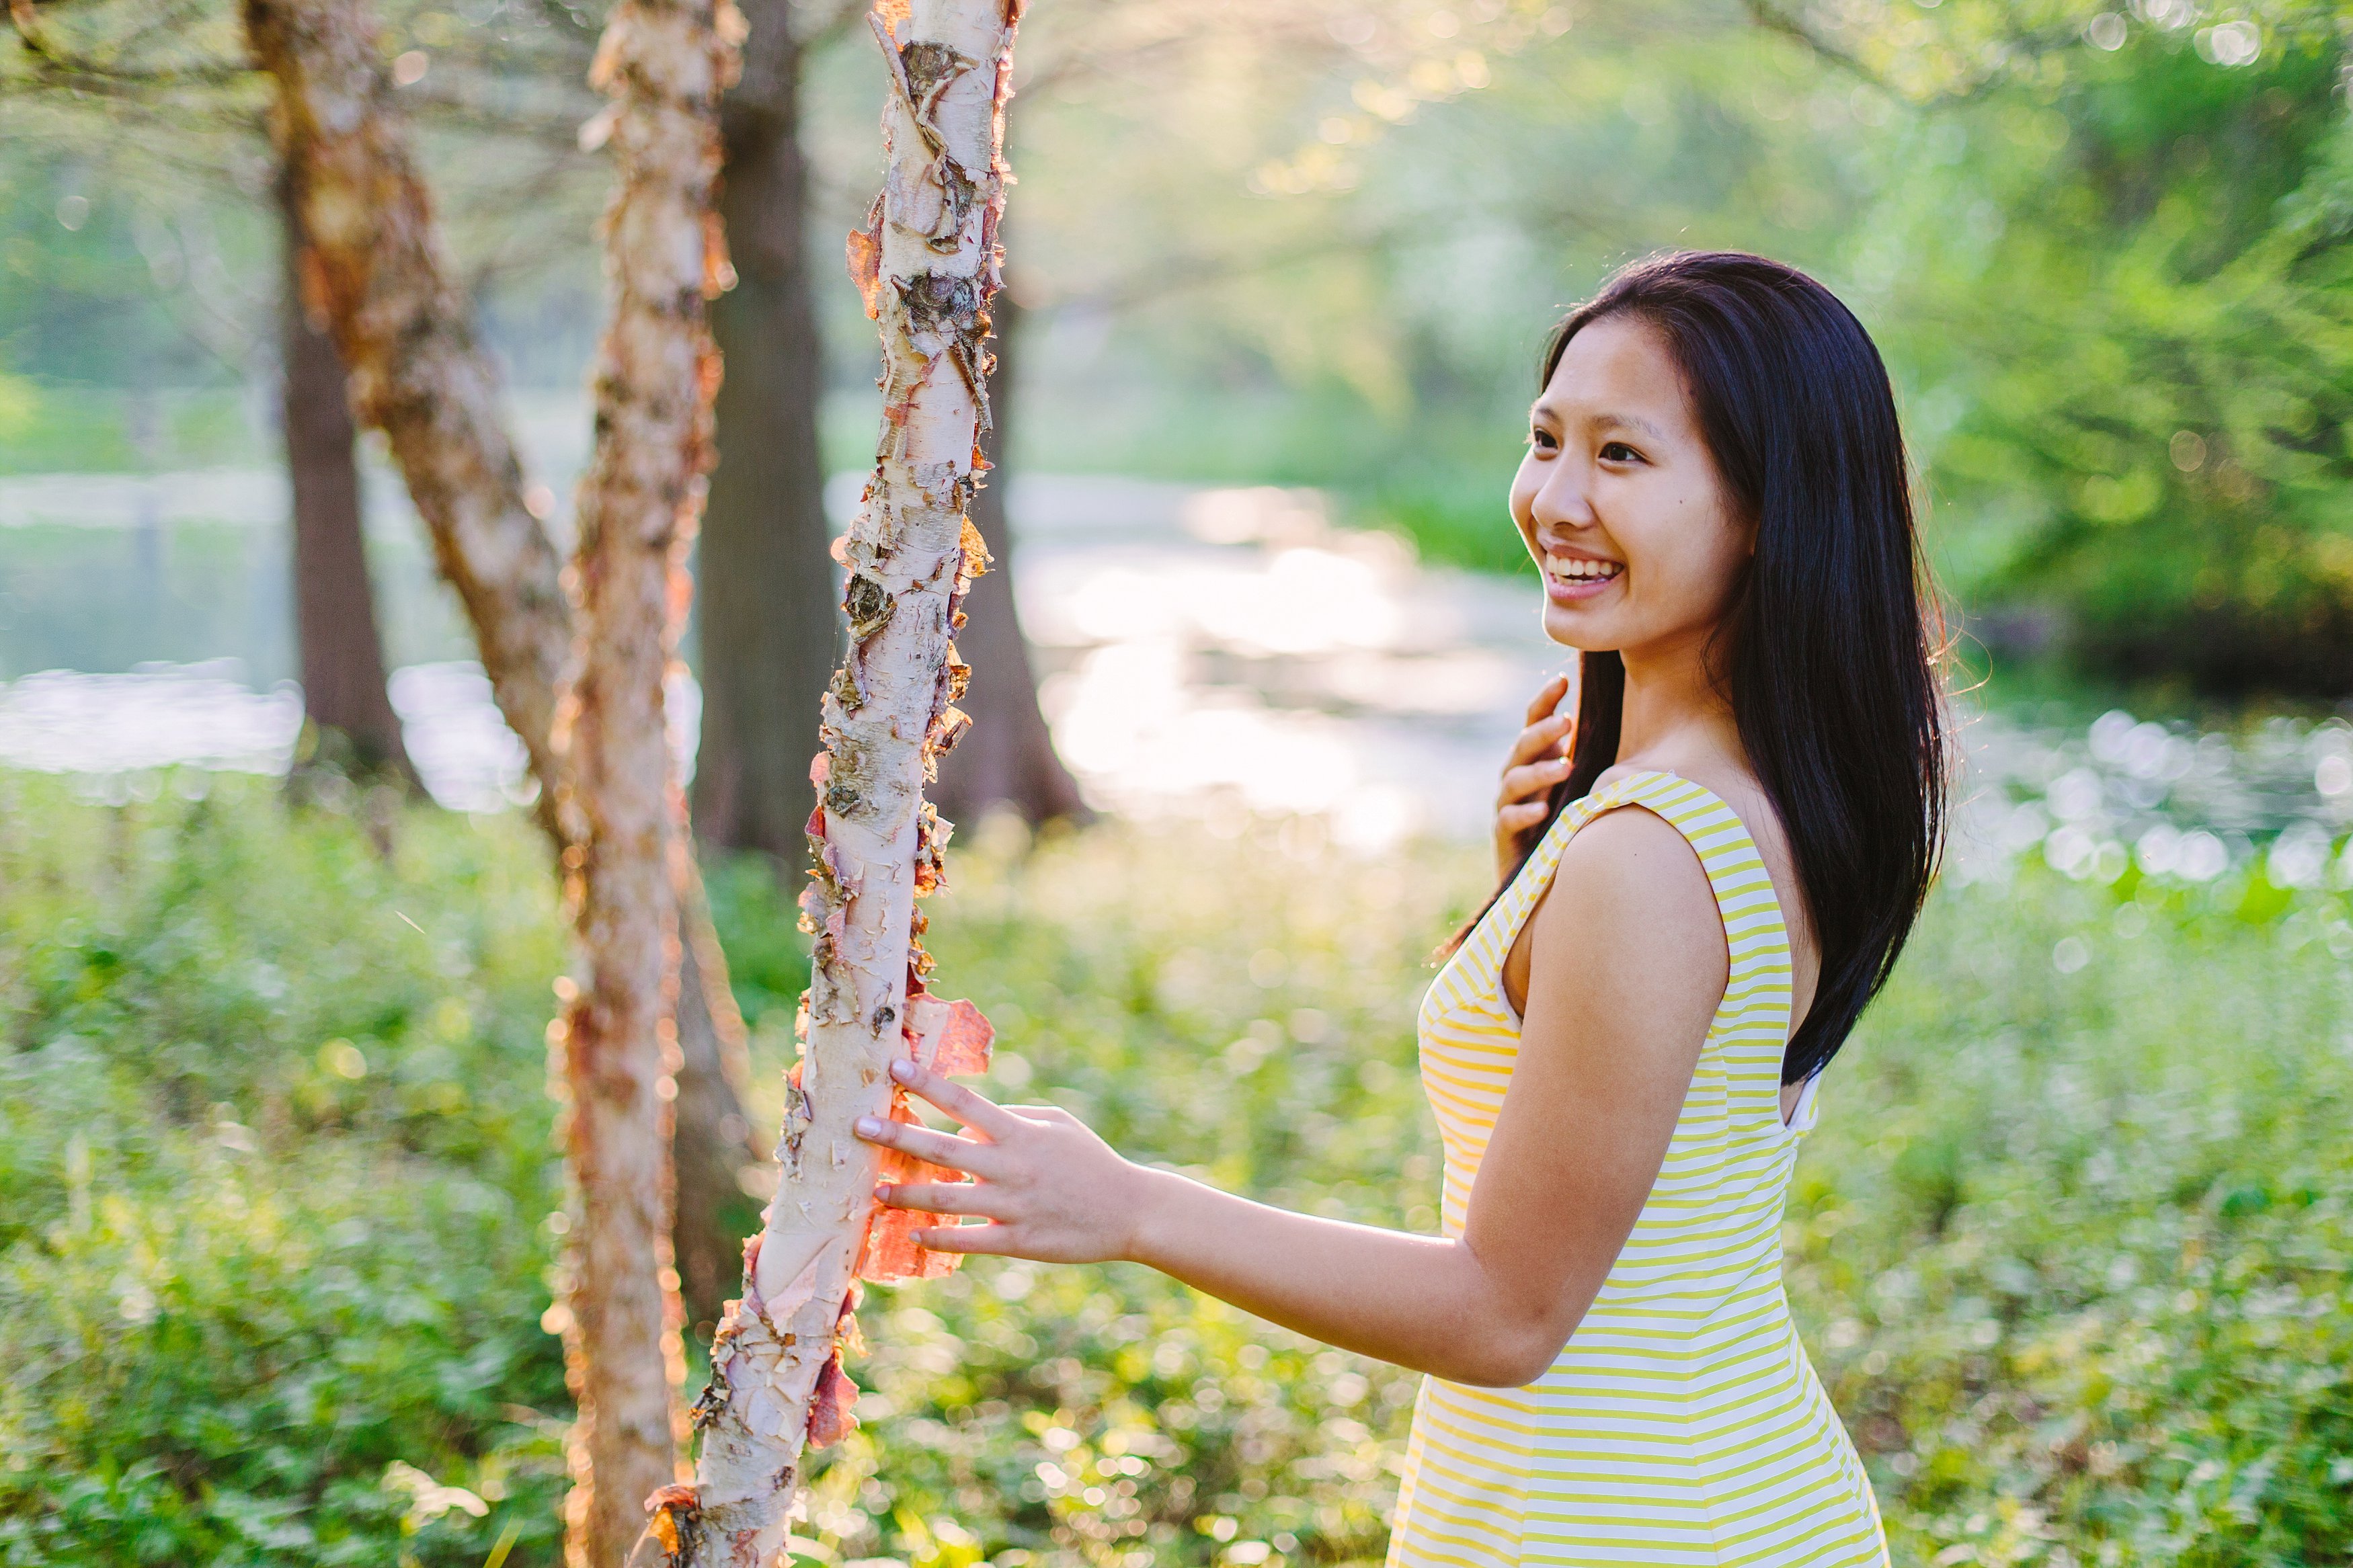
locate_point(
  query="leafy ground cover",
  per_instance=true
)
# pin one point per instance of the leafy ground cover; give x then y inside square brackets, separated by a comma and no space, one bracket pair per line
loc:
[279,1211]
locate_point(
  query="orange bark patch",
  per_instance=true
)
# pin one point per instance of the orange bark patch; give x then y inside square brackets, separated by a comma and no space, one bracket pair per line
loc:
[665,1505]
[830,1406]
[963,1044]
[865,255]
[891,1251]
[975,551]
[948,1036]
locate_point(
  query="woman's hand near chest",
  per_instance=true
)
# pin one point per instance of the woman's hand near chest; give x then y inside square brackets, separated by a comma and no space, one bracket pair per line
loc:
[1628,965]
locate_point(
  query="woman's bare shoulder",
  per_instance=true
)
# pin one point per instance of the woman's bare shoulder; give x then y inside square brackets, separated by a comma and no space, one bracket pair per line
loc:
[1628,910]
[1627,939]
[1630,890]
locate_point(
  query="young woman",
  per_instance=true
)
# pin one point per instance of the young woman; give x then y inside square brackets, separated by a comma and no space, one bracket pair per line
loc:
[1707,874]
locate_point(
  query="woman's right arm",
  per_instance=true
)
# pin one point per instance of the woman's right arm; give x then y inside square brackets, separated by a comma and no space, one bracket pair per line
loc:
[1630,965]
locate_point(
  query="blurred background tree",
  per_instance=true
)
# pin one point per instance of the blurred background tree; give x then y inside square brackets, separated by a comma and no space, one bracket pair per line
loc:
[2117,256]
[2103,247]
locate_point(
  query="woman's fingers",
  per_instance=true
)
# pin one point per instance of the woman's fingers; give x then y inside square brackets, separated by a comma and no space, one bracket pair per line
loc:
[1518,819]
[1547,698]
[973,1198]
[939,1148]
[1541,738]
[1042,1113]
[970,1109]
[1531,780]
[982,1240]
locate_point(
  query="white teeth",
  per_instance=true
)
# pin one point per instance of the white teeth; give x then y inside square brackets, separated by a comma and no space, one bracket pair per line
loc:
[1577,571]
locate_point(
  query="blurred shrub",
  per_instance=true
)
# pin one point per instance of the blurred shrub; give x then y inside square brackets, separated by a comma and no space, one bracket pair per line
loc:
[2070,1245]
[273,1166]
[2119,284]
[2068,1248]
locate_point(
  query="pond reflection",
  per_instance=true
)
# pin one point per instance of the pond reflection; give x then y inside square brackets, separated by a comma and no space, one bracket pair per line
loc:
[1221,654]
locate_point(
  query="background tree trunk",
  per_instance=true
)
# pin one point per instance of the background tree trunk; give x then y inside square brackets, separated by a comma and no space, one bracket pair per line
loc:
[664,62]
[927,266]
[375,267]
[713,1146]
[335,613]
[768,630]
[1008,758]
[379,273]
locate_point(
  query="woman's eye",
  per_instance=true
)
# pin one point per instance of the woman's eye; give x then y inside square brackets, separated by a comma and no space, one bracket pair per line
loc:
[1618,452]
[1541,440]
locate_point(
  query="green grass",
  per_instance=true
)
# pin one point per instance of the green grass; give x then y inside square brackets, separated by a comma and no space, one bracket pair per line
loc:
[2068,1249]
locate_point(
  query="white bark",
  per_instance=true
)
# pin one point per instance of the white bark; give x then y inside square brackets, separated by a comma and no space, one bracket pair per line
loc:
[928,266]
[664,62]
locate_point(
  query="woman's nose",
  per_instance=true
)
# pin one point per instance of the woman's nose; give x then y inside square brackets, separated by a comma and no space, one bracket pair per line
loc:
[1561,501]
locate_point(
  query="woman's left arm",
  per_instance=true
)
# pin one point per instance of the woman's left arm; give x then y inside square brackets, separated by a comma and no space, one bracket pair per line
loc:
[1629,963]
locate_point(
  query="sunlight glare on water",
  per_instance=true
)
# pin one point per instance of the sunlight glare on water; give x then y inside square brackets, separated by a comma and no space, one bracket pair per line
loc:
[1257,657]
[200,715]
[1218,654]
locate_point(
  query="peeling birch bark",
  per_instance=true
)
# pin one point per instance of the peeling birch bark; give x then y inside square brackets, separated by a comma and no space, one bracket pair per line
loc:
[375,267]
[664,62]
[373,261]
[927,266]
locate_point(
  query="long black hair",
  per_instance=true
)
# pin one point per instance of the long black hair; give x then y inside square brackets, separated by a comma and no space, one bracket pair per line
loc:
[1829,651]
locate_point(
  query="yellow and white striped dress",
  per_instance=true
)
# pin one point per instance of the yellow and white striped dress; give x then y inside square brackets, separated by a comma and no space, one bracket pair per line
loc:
[1681,1423]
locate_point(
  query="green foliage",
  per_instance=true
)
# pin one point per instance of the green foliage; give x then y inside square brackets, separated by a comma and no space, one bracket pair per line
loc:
[2120,276]
[275,1169]
[2071,1245]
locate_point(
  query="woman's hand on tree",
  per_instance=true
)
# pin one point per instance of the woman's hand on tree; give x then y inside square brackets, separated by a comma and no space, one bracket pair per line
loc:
[1539,760]
[1049,1189]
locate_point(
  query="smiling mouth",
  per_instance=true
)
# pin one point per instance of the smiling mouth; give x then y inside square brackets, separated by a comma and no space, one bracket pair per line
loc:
[1578,572]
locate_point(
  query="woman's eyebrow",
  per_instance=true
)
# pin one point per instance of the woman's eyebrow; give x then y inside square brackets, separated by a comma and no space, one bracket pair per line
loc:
[1545,410]
[1627,422]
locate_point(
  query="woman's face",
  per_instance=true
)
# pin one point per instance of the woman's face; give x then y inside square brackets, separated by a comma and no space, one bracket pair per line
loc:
[1619,501]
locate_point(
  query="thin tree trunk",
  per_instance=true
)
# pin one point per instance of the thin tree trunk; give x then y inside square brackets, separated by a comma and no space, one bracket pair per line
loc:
[374,265]
[928,265]
[664,62]
[769,633]
[1009,759]
[712,1150]
[335,613]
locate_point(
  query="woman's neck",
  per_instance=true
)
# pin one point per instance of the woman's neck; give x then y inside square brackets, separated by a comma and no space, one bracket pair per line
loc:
[1673,709]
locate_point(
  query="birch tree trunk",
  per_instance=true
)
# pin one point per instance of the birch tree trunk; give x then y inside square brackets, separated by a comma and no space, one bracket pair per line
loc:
[664,62]
[373,262]
[927,266]
[376,264]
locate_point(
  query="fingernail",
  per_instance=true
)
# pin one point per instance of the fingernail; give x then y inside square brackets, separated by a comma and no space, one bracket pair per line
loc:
[882,1191]
[867,1127]
[903,1070]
